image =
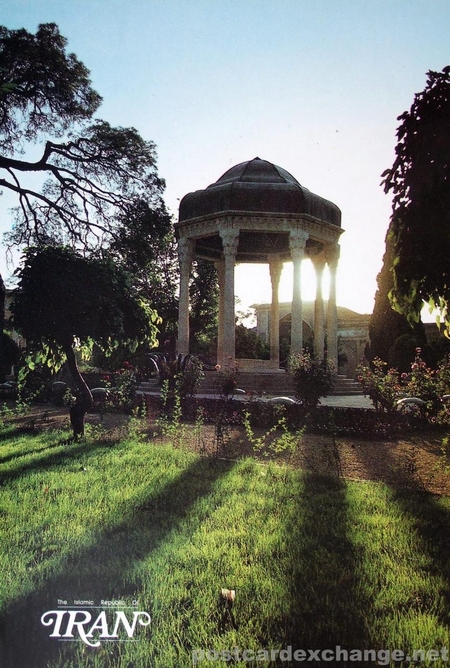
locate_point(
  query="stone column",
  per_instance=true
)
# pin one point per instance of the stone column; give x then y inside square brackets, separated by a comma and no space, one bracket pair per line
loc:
[297,244]
[276,267]
[185,256]
[332,258]
[319,317]
[230,241]
[220,266]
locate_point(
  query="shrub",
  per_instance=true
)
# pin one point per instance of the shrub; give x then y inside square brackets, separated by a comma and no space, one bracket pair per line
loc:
[383,387]
[228,379]
[403,351]
[421,383]
[123,390]
[313,378]
[443,376]
[180,373]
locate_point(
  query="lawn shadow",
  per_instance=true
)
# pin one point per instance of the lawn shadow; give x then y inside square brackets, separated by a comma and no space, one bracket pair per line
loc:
[50,458]
[28,446]
[328,608]
[430,520]
[105,570]
[15,433]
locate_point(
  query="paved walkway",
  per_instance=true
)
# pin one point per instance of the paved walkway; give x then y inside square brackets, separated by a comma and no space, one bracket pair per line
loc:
[350,401]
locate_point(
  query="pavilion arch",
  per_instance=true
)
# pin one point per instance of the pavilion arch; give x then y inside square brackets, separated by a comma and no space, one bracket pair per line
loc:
[259,213]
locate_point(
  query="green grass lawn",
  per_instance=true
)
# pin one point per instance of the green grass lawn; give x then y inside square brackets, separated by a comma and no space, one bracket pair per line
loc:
[316,562]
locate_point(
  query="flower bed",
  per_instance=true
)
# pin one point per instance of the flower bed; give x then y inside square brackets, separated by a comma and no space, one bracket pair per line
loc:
[359,422]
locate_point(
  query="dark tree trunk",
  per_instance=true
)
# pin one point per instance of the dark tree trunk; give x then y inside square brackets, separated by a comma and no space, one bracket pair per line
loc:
[84,396]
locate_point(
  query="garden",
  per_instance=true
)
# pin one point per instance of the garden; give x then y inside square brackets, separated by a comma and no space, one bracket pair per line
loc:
[229,524]
[169,530]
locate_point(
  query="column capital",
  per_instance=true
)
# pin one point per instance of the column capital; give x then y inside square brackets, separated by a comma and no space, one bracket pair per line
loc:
[230,240]
[332,254]
[275,268]
[319,261]
[297,242]
[185,249]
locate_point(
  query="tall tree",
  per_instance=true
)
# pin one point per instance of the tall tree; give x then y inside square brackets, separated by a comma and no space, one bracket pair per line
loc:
[204,298]
[64,301]
[90,177]
[92,185]
[387,325]
[420,182]
[145,244]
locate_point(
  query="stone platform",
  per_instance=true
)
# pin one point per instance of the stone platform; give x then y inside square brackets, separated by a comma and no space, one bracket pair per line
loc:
[346,393]
[275,384]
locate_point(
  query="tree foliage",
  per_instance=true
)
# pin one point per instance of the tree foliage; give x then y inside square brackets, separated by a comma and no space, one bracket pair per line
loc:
[89,179]
[64,299]
[249,344]
[91,185]
[42,89]
[204,300]
[388,326]
[145,244]
[420,183]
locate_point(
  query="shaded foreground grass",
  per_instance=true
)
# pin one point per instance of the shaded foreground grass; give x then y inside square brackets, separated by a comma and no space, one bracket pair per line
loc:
[316,562]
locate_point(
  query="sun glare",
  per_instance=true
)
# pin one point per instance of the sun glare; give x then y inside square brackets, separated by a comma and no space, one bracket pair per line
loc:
[253,285]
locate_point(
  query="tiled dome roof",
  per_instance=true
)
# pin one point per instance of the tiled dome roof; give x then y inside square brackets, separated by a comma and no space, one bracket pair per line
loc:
[257,186]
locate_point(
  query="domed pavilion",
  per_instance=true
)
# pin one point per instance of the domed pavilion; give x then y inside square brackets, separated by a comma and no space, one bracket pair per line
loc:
[258,212]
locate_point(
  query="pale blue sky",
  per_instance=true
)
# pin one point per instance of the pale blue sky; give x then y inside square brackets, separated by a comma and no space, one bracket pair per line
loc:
[313,86]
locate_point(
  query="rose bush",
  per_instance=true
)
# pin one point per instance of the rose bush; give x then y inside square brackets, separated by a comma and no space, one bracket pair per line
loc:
[313,378]
[386,387]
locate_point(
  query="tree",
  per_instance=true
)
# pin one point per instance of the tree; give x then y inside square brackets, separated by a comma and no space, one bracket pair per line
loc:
[249,344]
[92,186]
[93,175]
[386,325]
[66,301]
[204,299]
[420,182]
[145,244]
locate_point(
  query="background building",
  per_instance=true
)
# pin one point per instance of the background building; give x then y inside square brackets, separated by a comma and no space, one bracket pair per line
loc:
[352,331]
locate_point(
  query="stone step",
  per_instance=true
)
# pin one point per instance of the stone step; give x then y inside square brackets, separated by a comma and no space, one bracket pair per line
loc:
[268,383]
[344,386]
[346,392]
[273,383]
